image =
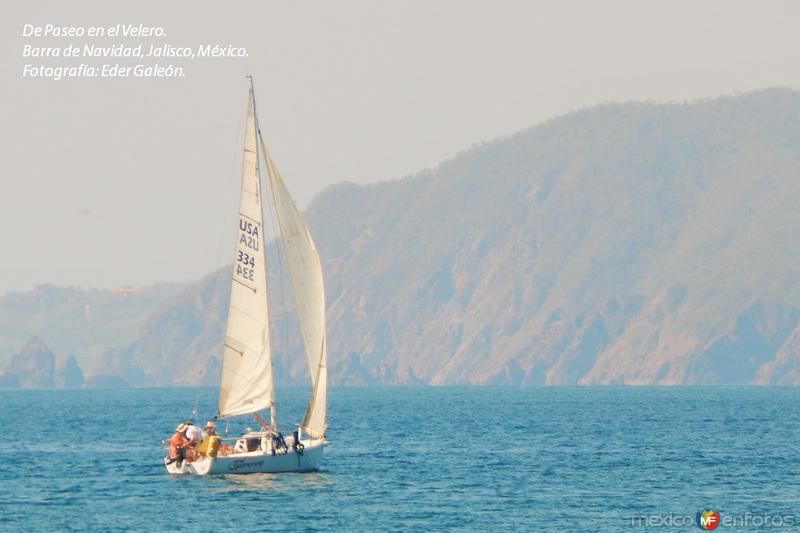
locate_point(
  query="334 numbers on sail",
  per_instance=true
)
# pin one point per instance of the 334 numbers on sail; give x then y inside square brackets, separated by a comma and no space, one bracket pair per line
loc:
[245,265]
[247,250]
[247,259]
[244,272]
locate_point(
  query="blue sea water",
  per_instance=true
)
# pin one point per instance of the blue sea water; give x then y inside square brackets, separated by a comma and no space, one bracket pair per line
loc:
[435,458]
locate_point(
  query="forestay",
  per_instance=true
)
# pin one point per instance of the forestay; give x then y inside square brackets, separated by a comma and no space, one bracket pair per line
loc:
[305,271]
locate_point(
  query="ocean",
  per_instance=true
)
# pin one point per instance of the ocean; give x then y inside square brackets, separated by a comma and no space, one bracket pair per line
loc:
[416,458]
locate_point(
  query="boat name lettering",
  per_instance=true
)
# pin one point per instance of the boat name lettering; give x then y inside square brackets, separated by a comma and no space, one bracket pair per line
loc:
[243,463]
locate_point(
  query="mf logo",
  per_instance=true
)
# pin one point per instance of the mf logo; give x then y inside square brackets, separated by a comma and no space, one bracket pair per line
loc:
[708,519]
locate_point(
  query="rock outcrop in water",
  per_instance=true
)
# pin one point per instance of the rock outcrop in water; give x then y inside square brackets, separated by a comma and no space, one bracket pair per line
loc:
[82,323]
[623,244]
[36,367]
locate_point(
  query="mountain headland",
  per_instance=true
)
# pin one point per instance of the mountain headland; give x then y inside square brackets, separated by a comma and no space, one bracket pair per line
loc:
[634,243]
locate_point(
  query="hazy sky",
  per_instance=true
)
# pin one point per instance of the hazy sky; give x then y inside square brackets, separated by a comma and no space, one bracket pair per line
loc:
[126,182]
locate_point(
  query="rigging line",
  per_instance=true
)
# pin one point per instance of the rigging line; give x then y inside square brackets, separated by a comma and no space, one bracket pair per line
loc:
[245,313]
[250,219]
[273,408]
[280,320]
[281,246]
[273,234]
[258,159]
[245,285]
[280,250]
[261,208]
[272,318]
[195,411]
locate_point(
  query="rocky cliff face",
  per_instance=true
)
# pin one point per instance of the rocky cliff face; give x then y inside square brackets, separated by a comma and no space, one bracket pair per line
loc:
[622,244]
[36,367]
[631,243]
[179,344]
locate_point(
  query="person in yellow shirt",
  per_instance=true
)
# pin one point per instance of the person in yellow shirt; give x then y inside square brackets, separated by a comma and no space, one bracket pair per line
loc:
[210,443]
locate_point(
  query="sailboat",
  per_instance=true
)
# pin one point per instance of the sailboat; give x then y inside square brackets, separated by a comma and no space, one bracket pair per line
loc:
[247,383]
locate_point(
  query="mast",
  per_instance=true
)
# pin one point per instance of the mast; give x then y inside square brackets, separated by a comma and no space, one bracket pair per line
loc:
[273,415]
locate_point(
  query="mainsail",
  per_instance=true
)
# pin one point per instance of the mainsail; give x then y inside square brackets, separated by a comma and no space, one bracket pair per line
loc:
[247,382]
[305,271]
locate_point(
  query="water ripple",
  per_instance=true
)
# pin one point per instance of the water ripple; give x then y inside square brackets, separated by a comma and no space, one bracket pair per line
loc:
[452,458]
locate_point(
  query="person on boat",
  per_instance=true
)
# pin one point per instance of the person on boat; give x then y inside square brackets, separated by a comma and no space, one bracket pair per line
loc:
[297,446]
[210,443]
[278,443]
[194,434]
[177,445]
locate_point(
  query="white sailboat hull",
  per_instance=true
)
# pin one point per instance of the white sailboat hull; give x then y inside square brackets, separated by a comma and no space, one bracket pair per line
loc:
[255,462]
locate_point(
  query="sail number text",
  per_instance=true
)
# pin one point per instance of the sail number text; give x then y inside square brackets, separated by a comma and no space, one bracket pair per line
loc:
[249,239]
[249,235]
[245,263]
